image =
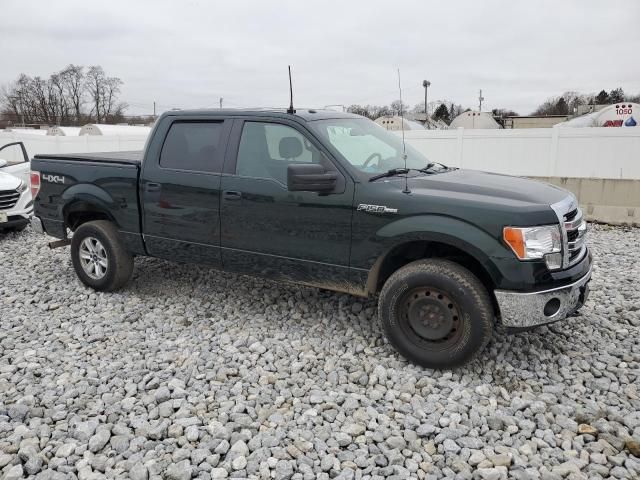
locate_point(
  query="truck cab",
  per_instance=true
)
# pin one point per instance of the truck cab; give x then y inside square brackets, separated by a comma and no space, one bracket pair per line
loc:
[330,200]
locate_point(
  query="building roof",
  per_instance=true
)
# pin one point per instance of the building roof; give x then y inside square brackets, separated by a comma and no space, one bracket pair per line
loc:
[536,116]
[472,119]
[396,121]
[615,115]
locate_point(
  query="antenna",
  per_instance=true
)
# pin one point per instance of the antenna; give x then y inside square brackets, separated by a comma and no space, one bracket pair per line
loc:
[290,110]
[404,146]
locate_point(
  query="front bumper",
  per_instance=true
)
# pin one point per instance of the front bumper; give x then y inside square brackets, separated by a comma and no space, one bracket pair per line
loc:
[14,221]
[521,310]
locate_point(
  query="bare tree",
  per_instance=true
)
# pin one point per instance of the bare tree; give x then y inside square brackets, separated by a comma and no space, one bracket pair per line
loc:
[73,81]
[60,99]
[397,106]
[95,85]
[111,90]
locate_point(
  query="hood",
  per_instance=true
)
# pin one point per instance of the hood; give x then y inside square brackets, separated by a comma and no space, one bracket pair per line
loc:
[489,186]
[8,182]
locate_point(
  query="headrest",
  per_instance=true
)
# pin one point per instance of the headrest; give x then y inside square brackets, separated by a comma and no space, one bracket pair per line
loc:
[290,147]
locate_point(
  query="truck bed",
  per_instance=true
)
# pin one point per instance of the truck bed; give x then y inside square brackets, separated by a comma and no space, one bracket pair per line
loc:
[108,180]
[133,157]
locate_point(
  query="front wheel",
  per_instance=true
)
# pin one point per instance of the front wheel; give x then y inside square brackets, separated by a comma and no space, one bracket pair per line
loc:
[99,258]
[436,313]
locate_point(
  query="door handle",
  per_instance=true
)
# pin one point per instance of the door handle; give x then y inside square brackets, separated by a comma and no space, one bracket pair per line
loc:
[232,195]
[152,187]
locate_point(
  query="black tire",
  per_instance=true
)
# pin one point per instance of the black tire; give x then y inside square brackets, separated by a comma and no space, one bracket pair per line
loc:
[436,313]
[119,262]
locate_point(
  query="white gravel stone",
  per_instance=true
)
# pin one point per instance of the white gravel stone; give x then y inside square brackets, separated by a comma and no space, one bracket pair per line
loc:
[13,473]
[138,472]
[217,473]
[192,373]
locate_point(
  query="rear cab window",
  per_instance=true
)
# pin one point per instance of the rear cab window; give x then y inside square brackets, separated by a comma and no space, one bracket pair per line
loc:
[194,146]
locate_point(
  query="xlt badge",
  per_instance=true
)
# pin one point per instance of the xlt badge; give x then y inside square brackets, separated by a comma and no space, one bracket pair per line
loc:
[376,208]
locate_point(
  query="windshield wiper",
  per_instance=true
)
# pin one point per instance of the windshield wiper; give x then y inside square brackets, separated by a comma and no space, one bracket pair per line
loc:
[429,166]
[391,173]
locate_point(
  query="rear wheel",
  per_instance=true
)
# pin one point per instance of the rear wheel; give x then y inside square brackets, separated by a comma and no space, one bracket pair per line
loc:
[99,258]
[436,313]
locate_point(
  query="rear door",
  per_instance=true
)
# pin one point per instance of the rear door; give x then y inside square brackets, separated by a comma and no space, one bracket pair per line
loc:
[180,189]
[270,231]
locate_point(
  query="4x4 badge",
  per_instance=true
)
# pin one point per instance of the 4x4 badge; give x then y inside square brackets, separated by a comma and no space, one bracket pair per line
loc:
[376,208]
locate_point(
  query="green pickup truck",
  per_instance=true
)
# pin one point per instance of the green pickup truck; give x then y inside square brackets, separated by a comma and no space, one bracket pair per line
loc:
[329,200]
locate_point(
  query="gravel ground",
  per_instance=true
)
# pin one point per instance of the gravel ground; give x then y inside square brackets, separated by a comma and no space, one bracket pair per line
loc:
[191,373]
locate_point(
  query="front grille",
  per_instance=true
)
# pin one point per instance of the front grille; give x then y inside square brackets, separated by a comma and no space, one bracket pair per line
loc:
[571,215]
[8,199]
[576,229]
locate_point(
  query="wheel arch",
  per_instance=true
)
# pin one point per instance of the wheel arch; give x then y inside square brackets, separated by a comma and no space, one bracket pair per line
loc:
[82,211]
[86,202]
[407,250]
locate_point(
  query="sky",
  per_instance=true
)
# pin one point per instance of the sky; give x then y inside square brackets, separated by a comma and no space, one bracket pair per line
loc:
[188,54]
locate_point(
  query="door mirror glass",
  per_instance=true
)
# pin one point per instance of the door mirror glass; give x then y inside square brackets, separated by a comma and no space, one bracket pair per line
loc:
[310,177]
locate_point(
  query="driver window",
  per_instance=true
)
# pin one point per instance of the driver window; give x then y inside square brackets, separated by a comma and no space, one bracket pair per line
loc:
[266,149]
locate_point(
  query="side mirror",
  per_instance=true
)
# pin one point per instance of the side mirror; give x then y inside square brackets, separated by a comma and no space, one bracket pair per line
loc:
[3,162]
[310,177]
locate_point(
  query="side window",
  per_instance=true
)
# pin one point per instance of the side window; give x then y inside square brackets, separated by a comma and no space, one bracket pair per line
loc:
[193,146]
[266,149]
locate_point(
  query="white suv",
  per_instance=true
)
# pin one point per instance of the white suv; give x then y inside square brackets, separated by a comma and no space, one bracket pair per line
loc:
[16,205]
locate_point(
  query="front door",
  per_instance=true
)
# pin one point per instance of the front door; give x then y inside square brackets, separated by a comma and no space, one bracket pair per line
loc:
[270,231]
[180,193]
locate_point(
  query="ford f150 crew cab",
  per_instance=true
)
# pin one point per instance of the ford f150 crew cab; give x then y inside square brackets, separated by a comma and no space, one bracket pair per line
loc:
[330,200]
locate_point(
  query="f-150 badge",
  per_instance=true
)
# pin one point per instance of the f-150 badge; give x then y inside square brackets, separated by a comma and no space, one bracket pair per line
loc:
[376,208]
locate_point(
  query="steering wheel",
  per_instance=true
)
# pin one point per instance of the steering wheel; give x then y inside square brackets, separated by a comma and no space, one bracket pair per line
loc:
[371,157]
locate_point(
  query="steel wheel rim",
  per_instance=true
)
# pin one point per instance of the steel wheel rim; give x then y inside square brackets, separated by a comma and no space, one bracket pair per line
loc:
[431,316]
[93,258]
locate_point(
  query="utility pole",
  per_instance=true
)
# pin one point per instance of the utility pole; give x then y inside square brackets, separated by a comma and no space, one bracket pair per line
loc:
[221,103]
[426,84]
[480,99]
[154,109]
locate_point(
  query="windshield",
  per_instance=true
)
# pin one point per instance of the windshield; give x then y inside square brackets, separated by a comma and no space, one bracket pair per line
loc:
[367,146]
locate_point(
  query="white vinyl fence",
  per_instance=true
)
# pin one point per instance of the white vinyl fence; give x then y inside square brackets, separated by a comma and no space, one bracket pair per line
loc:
[612,153]
[36,144]
[536,152]
[601,166]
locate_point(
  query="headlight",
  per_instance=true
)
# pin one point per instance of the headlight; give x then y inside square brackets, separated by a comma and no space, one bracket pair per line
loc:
[23,186]
[532,243]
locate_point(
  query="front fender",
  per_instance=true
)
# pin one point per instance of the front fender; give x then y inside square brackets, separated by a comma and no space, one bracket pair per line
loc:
[474,241]
[450,230]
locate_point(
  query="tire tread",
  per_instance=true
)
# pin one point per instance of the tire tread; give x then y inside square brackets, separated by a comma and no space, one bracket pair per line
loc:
[468,282]
[122,259]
